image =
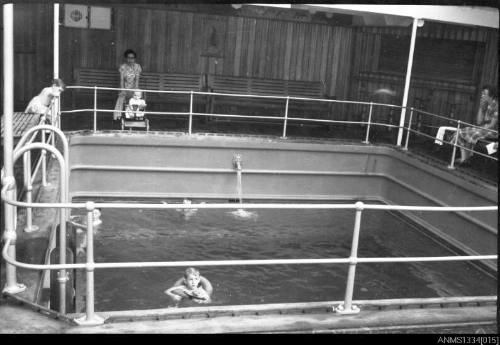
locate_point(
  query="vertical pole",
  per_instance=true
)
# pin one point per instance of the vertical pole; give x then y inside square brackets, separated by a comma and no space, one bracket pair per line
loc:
[407,81]
[286,116]
[190,113]
[29,188]
[44,159]
[56,41]
[90,317]
[368,126]
[348,307]
[95,109]
[11,285]
[408,130]
[452,163]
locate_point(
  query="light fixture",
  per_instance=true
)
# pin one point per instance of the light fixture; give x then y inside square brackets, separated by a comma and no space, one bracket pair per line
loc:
[420,23]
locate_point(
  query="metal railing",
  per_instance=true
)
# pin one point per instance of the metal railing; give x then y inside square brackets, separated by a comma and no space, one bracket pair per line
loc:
[286,118]
[346,308]
[91,318]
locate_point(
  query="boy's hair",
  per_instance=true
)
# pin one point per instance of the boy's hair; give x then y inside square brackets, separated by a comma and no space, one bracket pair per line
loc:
[191,271]
[59,83]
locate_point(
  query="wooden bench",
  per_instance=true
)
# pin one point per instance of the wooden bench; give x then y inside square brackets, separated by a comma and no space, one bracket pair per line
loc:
[267,87]
[148,81]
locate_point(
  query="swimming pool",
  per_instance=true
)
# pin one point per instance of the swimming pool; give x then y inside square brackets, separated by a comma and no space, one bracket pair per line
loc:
[168,235]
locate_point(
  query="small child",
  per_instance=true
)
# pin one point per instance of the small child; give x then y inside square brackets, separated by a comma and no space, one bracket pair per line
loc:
[192,286]
[135,107]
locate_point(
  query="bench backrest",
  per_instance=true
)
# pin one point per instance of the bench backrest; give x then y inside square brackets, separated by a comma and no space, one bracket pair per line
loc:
[261,86]
[148,80]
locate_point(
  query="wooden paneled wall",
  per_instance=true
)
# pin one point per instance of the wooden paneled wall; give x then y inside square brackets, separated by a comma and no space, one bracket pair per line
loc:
[450,98]
[32,51]
[345,58]
[168,41]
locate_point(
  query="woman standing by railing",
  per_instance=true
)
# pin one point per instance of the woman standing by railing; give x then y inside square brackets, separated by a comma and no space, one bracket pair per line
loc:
[129,79]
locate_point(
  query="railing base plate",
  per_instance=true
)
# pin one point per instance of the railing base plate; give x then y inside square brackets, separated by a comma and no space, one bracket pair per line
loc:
[15,289]
[340,310]
[32,228]
[95,320]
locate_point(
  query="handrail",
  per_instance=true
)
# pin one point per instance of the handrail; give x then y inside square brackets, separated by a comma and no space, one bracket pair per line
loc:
[143,264]
[285,118]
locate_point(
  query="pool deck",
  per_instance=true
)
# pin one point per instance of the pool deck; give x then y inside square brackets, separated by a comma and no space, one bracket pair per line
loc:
[15,318]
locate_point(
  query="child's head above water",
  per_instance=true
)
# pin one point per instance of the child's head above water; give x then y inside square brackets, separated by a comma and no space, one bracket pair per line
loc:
[192,277]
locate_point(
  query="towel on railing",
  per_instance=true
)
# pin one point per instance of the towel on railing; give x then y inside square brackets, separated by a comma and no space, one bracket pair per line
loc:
[440,134]
[492,148]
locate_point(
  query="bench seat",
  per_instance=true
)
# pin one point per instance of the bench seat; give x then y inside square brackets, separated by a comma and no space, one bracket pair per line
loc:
[267,106]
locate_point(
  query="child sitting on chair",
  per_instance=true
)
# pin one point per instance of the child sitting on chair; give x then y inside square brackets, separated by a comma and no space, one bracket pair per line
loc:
[135,107]
[192,286]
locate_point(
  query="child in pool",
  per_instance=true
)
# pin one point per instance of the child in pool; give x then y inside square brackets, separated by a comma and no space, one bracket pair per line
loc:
[192,286]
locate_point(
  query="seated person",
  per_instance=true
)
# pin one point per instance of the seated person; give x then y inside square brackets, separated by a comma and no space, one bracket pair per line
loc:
[135,107]
[192,286]
[487,119]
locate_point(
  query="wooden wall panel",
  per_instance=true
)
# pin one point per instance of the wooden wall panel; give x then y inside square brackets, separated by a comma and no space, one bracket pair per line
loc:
[175,41]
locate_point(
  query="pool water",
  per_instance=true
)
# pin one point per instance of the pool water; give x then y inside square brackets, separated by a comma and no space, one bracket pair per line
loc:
[170,235]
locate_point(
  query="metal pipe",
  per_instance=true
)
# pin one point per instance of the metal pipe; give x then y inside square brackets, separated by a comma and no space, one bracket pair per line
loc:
[89,303]
[95,109]
[190,113]
[368,126]
[56,41]
[62,278]
[407,80]
[348,307]
[44,161]
[29,188]
[286,116]
[408,130]
[452,163]
[214,263]
[11,285]
[237,95]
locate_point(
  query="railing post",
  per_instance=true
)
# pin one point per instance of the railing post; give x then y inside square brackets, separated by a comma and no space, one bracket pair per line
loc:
[368,125]
[286,116]
[95,109]
[408,130]
[452,164]
[11,284]
[348,307]
[44,158]
[190,113]
[90,318]
[29,188]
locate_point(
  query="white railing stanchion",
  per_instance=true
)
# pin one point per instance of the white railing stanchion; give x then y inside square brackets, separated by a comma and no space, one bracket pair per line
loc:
[44,158]
[52,122]
[368,125]
[348,307]
[95,109]
[408,130]
[190,113]
[452,163]
[29,188]
[90,318]
[286,116]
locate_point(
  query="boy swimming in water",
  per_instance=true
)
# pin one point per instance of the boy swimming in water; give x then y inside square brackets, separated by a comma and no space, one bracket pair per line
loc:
[192,286]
